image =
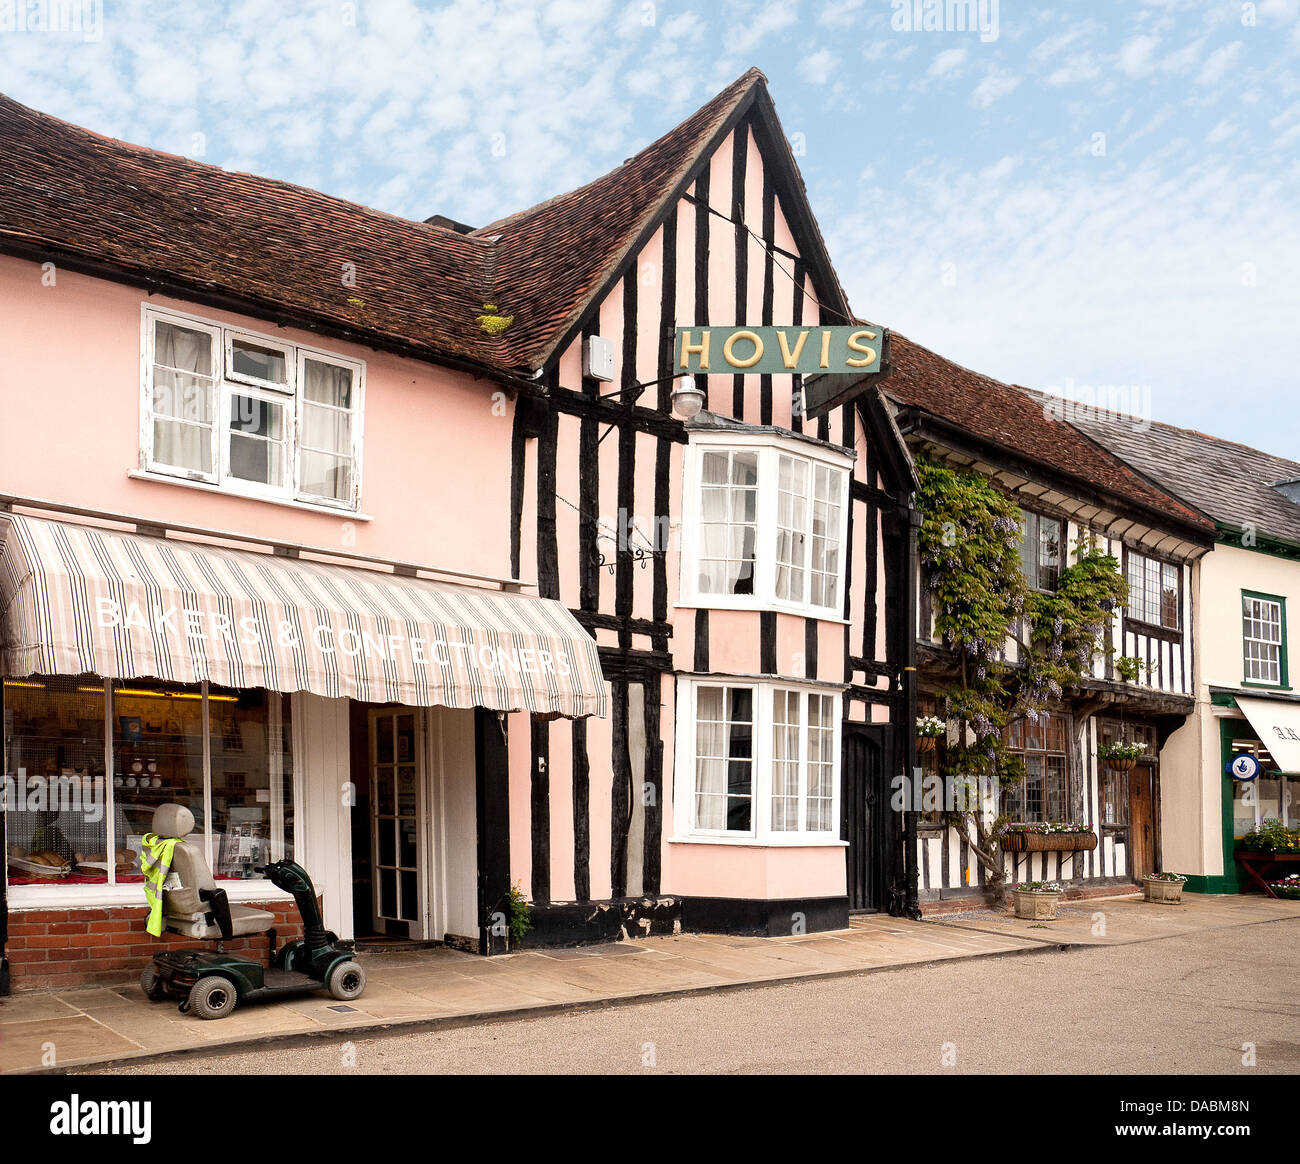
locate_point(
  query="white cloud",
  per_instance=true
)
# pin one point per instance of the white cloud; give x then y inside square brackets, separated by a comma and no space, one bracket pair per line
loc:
[817,68]
[948,61]
[1135,56]
[997,83]
[1218,63]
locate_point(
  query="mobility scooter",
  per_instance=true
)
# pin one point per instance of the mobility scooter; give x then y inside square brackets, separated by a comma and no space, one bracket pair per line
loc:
[211,983]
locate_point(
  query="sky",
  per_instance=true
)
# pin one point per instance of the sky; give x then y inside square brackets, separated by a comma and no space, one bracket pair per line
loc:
[1087,197]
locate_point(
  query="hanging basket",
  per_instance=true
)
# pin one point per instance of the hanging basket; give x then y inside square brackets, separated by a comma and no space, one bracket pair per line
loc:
[1017,841]
[1120,763]
[925,743]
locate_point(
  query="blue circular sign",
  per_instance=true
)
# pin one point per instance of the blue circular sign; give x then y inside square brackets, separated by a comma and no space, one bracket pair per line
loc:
[1243,767]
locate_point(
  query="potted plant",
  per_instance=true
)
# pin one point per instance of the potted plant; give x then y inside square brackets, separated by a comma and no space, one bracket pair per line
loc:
[1036,900]
[929,728]
[1165,888]
[1047,836]
[1121,755]
[1288,887]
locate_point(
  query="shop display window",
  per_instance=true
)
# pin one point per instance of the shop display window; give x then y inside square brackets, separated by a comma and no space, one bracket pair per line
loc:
[77,756]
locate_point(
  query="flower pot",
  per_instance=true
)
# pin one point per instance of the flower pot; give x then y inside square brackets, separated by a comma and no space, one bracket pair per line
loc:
[1032,906]
[1120,763]
[1024,842]
[1163,892]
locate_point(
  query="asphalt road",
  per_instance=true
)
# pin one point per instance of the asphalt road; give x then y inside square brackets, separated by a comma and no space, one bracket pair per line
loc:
[1178,1005]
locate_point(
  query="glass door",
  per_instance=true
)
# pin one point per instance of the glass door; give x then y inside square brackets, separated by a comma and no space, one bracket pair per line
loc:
[396,810]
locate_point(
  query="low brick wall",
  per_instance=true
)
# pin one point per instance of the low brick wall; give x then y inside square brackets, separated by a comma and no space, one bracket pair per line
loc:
[109,946]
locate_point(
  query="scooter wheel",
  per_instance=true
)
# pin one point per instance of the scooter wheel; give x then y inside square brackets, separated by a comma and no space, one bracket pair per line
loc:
[347,981]
[149,983]
[213,997]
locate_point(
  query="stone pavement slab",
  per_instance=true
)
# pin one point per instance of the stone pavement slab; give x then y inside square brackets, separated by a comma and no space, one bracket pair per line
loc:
[439,986]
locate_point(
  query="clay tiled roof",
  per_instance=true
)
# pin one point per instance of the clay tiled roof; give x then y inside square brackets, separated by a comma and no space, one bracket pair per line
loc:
[72,195]
[553,257]
[1232,483]
[1009,418]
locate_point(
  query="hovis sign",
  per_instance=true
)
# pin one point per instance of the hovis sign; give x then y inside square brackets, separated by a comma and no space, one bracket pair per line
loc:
[806,350]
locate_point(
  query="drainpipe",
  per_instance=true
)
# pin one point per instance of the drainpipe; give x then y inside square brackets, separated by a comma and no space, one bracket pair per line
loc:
[911,871]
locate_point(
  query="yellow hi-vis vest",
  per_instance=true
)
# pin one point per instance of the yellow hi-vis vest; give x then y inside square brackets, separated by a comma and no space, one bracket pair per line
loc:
[156,863]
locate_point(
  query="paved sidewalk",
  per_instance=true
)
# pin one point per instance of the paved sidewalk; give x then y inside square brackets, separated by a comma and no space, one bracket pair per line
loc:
[94,1025]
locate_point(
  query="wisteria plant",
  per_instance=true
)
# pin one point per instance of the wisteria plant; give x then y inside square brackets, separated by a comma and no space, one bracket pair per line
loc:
[969,545]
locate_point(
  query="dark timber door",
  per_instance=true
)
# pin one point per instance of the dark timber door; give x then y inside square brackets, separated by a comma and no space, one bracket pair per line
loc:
[864,811]
[1141,821]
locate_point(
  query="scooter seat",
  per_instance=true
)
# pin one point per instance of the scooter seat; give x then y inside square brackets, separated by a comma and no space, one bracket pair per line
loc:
[244,921]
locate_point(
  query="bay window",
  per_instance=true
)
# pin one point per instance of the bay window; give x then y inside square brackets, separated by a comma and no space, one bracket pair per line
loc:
[86,763]
[761,762]
[249,414]
[766,526]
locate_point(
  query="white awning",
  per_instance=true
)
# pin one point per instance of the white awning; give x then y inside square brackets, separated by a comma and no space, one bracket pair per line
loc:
[1277,723]
[80,599]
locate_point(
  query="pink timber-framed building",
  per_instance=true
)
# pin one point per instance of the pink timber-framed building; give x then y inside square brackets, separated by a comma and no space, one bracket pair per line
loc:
[383,426]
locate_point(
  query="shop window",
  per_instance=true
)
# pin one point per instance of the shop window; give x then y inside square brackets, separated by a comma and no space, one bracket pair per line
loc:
[1272,795]
[1040,745]
[1154,591]
[65,785]
[1040,550]
[250,414]
[765,761]
[1263,629]
[769,526]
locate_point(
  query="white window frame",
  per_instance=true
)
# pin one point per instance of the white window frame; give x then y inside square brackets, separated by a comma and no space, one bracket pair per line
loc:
[770,448]
[1278,645]
[290,397]
[286,350]
[760,832]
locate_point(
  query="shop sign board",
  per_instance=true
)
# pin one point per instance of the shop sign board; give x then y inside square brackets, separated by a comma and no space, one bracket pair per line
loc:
[802,350]
[1243,767]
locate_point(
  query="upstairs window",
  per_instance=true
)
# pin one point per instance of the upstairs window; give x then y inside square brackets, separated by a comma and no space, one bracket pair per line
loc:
[1154,591]
[1040,550]
[1263,628]
[767,528]
[250,414]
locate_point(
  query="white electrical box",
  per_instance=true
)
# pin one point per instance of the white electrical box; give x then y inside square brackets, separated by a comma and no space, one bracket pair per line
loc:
[598,358]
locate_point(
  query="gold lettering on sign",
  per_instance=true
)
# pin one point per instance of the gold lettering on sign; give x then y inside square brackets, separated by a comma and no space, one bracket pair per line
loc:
[789,358]
[728,349]
[868,356]
[826,350]
[700,349]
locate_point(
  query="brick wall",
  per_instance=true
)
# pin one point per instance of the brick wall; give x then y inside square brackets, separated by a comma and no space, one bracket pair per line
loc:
[107,947]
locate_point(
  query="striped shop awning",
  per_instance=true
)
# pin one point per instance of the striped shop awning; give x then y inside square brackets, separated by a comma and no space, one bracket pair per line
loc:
[78,599]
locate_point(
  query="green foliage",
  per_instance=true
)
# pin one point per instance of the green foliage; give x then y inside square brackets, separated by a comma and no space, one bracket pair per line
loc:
[1272,837]
[969,546]
[521,916]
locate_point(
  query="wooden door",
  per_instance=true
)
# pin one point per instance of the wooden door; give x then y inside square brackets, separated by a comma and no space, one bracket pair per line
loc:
[396,813]
[1141,822]
[864,813]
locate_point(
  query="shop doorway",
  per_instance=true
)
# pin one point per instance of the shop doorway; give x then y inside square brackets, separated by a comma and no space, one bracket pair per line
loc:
[864,812]
[1143,831]
[399,901]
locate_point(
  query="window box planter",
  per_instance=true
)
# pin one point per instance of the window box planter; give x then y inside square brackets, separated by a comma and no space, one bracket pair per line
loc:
[1037,904]
[1166,890]
[1025,841]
